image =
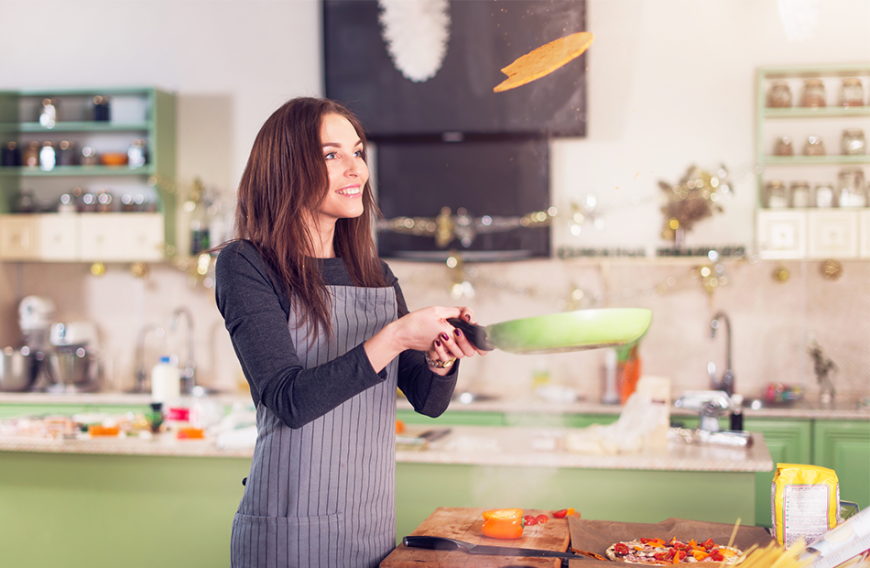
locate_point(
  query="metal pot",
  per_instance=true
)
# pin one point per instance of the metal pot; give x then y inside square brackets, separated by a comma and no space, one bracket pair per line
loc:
[18,369]
[72,368]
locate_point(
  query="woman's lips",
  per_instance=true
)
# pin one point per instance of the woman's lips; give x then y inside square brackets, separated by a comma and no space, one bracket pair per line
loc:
[350,191]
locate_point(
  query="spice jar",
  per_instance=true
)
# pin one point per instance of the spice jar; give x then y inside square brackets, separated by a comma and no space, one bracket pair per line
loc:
[101,108]
[89,156]
[813,94]
[853,142]
[104,201]
[775,196]
[66,153]
[783,147]
[799,194]
[851,93]
[850,188]
[814,146]
[11,155]
[25,202]
[778,95]
[30,156]
[823,196]
[49,113]
[137,154]
[47,156]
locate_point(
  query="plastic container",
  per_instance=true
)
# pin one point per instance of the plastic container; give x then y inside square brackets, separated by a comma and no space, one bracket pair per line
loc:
[165,381]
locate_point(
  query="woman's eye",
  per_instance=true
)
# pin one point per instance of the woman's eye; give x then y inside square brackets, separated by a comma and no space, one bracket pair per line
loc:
[360,153]
[330,156]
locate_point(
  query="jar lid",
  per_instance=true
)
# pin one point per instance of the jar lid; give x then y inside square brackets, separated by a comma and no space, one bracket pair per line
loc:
[48,143]
[813,83]
[851,81]
[814,140]
[775,184]
[33,144]
[853,132]
[98,100]
[48,102]
[12,145]
[64,144]
[800,184]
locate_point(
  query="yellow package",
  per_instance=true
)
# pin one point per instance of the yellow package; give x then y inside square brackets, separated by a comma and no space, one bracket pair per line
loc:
[804,502]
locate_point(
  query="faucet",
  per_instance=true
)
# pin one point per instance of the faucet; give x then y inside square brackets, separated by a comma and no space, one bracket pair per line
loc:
[727,382]
[188,372]
[141,373]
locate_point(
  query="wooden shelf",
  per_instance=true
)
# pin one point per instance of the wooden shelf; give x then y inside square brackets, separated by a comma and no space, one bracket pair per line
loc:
[74,126]
[60,171]
[823,112]
[815,160]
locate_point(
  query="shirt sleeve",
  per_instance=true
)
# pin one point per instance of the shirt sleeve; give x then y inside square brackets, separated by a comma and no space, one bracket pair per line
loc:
[429,393]
[250,301]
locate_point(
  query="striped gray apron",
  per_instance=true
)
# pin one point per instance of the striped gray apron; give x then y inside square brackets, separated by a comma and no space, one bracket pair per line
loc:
[324,495]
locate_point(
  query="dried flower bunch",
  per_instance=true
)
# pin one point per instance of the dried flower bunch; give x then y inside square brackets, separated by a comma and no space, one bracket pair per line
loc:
[692,199]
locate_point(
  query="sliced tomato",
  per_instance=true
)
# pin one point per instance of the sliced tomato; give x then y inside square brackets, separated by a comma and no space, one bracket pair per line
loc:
[708,544]
[542,519]
[530,520]
[620,549]
[716,555]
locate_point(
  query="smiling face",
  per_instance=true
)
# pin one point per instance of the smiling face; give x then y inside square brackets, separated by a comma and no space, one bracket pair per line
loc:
[344,154]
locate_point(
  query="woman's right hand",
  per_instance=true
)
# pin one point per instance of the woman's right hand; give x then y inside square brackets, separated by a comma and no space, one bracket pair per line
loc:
[421,328]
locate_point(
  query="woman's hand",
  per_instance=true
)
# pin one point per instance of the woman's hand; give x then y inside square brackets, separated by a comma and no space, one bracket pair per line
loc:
[423,330]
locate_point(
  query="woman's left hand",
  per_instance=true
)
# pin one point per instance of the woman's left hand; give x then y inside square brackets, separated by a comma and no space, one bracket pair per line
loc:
[456,346]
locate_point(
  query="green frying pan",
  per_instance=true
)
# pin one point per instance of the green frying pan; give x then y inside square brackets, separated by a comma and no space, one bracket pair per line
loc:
[557,333]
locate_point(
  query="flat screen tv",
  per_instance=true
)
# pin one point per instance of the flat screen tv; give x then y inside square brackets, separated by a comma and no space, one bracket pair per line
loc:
[495,176]
[409,67]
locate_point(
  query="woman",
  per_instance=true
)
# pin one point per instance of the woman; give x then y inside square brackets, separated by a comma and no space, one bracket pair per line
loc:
[314,319]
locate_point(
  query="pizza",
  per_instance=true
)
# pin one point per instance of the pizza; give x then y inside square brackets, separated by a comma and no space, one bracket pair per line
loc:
[658,551]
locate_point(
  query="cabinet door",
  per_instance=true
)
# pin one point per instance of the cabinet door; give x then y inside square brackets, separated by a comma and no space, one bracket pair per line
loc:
[789,442]
[19,237]
[832,234]
[143,236]
[844,446]
[59,237]
[864,234]
[101,237]
[782,234]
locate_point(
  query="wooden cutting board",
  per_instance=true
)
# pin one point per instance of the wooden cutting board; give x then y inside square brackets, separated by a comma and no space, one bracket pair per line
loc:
[465,524]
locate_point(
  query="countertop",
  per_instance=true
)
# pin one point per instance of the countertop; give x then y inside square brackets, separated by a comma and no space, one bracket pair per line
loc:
[465,445]
[839,410]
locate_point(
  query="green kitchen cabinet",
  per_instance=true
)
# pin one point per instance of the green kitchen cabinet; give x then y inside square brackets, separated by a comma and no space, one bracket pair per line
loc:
[453,418]
[138,225]
[844,446]
[13,410]
[789,441]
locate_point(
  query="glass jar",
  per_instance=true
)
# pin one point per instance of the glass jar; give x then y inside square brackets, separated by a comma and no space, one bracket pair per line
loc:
[48,116]
[851,191]
[25,202]
[823,196]
[47,156]
[813,94]
[783,147]
[852,92]
[11,155]
[137,154]
[815,146]
[778,95]
[853,142]
[30,156]
[775,194]
[799,194]
[101,109]
[66,153]
[89,157]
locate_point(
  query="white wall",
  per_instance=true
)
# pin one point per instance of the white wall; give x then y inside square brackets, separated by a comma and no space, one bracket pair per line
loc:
[671,83]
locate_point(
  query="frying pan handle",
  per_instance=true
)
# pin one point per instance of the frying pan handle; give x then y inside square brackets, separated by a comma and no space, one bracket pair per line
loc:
[476,334]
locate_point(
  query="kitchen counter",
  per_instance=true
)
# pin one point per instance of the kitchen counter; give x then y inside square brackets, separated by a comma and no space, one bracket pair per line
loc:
[839,410]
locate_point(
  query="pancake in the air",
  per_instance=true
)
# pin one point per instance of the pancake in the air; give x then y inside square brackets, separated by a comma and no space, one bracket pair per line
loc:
[544,60]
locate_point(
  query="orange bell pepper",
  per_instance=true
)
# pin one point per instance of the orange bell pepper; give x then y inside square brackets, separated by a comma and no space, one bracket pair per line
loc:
[503,523]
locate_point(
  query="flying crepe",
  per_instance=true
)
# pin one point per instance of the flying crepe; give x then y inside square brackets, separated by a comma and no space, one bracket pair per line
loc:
[544,60]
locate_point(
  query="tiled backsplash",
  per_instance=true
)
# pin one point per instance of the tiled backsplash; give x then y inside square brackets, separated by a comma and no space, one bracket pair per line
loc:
[772,321]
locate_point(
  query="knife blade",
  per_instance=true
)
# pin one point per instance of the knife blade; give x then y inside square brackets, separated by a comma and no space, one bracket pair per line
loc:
[443,543]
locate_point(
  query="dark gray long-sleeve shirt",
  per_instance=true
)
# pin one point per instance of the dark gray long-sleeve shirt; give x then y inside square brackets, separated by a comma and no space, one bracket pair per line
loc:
[256,308]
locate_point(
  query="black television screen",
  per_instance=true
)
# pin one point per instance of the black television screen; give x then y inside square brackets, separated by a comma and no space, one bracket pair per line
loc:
[465,43]
[503,177]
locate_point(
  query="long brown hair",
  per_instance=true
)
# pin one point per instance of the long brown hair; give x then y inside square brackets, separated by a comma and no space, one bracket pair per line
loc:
[284,182]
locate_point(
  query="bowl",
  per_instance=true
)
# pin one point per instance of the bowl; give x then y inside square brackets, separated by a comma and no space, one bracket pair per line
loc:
[113,158]
[72,367]
[18,369]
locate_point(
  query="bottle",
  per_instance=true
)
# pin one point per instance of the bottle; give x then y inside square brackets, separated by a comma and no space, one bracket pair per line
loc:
[165,381]
[736,412]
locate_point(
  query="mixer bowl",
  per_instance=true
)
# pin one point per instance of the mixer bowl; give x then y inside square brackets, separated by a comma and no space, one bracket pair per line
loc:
[18,369]
[72,368]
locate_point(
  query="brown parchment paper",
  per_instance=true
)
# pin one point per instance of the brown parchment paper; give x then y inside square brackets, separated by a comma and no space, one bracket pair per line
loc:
[597,536]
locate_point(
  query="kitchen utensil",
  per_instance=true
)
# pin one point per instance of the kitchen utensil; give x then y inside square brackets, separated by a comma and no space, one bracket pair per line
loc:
[18,369]
[557,333]
[72,369]
[442,543]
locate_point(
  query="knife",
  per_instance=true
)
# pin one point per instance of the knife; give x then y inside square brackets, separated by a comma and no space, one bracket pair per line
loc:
[442,543]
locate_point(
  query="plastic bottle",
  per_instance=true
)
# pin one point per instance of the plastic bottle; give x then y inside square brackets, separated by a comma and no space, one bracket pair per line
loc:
[165,381]
[737,412]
